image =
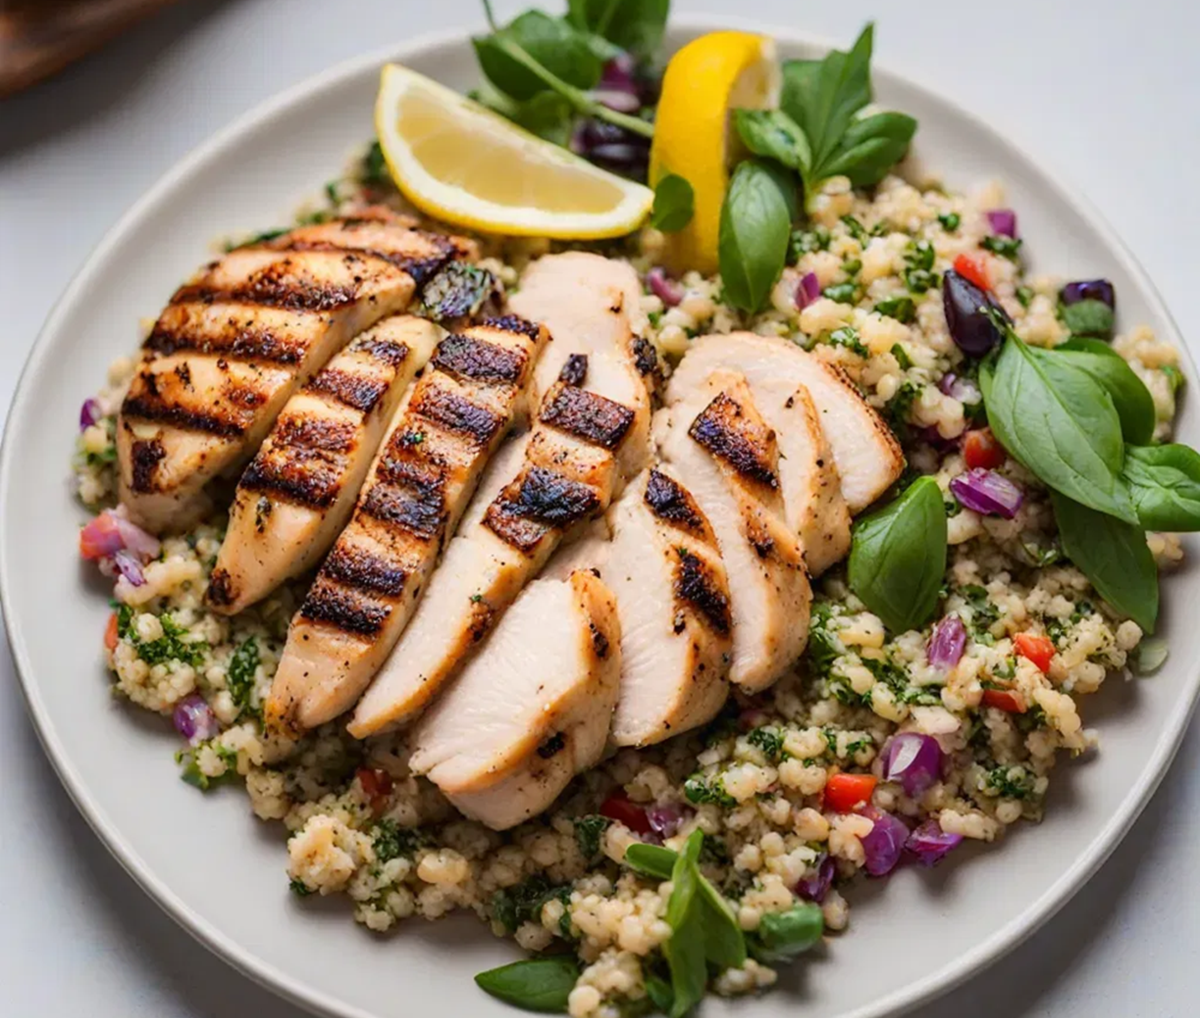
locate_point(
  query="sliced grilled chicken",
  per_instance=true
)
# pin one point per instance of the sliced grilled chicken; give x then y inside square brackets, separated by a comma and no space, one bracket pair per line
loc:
[591,436]
[236,342]
[664,568]
[299,490]
[724,452]
[533,711]
[866,453]
[450,423]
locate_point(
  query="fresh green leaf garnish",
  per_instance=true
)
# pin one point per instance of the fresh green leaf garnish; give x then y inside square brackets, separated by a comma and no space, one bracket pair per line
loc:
[684,949]
[374,169]
[870,147]
[535,984]
[783,935]
[1113,555]
[774,135]
[552,42]
[674,203]
[633,25]
[650,860]
[547,114]
[898,556]
[1133,402]
[1151,655]
[756,221]
[1088,317]
[1164,482]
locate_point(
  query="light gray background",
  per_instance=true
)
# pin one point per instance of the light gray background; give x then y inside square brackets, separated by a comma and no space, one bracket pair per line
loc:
[1105,92]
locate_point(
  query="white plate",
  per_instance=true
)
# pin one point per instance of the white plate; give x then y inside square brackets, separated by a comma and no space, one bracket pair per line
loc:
[220,872]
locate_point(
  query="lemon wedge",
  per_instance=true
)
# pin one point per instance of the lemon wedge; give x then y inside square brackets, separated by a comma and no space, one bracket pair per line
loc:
[459,161]
[693,136]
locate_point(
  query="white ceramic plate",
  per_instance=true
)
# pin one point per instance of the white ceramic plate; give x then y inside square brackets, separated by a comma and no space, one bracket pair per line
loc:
[220,872]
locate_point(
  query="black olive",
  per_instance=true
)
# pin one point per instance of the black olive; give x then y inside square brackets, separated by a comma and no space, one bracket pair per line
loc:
[966,315]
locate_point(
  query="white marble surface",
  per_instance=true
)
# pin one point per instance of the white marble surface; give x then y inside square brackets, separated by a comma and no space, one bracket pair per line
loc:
[1106,93]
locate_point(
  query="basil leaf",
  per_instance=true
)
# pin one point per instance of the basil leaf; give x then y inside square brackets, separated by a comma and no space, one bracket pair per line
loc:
[898,556]
[674,203]
[756,223]
[870,148]
[775,135]
[659,992]
[783,935]
[1060,422]
[1088,317]
[1113,555]
[822,96]
[684,949]
[651,860]
[1164,481]
[551,42]
[724,943]
[1134,404]
[536,984]
[633,25]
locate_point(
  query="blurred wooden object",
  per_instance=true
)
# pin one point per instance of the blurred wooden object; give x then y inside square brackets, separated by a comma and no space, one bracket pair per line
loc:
[40,37]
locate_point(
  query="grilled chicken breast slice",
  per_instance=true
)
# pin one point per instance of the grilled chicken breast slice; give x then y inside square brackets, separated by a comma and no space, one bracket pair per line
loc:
[531,712]
[590,437]
[299,490]
[238,339]
[866,453]
[664,568]
[726,455]
[449,424]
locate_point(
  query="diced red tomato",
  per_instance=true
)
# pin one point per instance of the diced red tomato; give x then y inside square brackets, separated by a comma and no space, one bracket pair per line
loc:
[619,808]
[110,632]
[1038,649]
[100,538]
[1004,699]
[846,792]
[376,786]
[980,449]
[972,269]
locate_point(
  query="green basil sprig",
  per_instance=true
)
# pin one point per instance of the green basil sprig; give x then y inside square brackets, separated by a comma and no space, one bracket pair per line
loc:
[1133,402]
[755,227]
[775,135]
[783,935]
[553,43]
[898,556]
[674,203]
[1113,555]
[633,25]
[535,984]
[1164,481]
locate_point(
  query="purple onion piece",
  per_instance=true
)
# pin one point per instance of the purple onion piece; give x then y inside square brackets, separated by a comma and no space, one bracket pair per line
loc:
[139,542]
[618,153]
[664,287]
[618,74]
[961,389]
[808,289]
[129,567]
[914,760]
[930,844]
[885,841]
[815,884]
[966,305]
[664,820]
[622,102]
[89,414]
[1089,289]
[946,643]
[1003,221]
[987,492]
[194,719]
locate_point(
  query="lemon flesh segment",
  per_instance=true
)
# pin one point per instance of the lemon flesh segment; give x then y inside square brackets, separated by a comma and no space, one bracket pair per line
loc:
[458,161]
[693,137]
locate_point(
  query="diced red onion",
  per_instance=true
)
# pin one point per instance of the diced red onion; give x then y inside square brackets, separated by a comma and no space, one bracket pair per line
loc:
[1003,221]
[618,74]
[808,289]
[930,844]
[622,102]
[194,719]
[987,492]
[664,287]
[101,538]
[665,819]
[961,389]
[885,841]
[128,566]
[135,538]
[89,414]
[914,760]
[815,884]
[1089,289]
[946,643]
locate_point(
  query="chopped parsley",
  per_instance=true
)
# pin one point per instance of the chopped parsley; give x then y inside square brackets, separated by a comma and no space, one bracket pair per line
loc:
[847,336]
[823,648]
[391,841]
[523,903]
[374,169]
[169,647]
[239,677]
[983,612]
[897,409]
[194,776]
[1024,295]
[919,275]
[856,230]
[852,266]
[1008,782]
[950,220]
[769,740]
[843,293]
[807,241]
[299,887]
[895,678]
[900,308]
[1006,247]
[699,790]
[588,832]
[952,507]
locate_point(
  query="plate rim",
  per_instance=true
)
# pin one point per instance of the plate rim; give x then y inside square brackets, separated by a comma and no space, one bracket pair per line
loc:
[294,989]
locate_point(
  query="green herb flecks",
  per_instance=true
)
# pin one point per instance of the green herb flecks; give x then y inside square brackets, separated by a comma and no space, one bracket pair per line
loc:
[240,675]
[589,834]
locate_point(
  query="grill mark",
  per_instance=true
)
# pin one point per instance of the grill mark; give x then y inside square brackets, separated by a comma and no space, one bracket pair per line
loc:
[276,285]
[364,571]
[552,746]
[466,357]
[219,588]
[297,476]
[420,267]
[248,343]
[456,413]
[153,408]
[695,584]
[145,454]
[720,428]
[514,323]
[600,642]
[673,504]
[344,609]
[421,512]
[303,432]
[575,370]
[541,501]
[589,416]
[645,357]
[358,392]
[382,349]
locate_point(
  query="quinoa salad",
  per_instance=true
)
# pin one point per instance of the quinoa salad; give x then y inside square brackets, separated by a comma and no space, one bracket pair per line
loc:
[900,733]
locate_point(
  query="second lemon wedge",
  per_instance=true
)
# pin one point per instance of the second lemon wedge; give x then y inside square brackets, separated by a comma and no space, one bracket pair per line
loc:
[693,137]
[458,161]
